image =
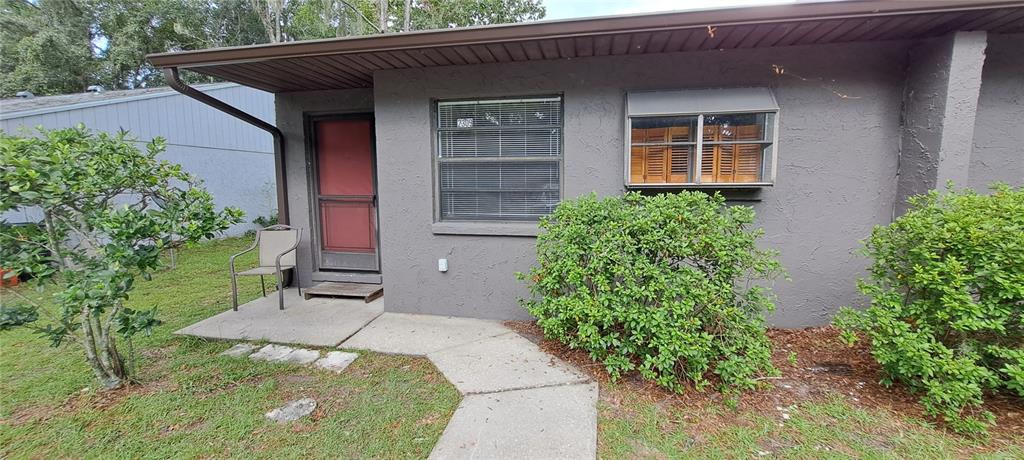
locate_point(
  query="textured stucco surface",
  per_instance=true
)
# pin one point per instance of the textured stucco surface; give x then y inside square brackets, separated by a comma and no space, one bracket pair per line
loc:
[966,62]
[291,111]
[923,113]
[836,175]
[944,77]
[999,126]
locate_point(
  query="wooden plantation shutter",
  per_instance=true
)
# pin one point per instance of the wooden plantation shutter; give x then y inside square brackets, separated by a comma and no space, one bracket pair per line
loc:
[710,155]
[725,160]
[679,155]
[660,154]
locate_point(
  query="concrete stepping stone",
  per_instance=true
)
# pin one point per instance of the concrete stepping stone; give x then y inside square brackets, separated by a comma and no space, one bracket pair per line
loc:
[418,335]
[240,350]
[271,353]
[505,362]
[302,356]
[283,354]
[336,361]
[550,422]
[293,410]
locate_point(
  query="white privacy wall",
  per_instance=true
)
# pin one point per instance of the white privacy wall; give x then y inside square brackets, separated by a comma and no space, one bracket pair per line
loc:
[234,160]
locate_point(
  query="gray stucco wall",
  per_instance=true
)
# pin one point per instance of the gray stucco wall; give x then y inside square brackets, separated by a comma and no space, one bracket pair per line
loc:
[967,61]
[841,132]
[999,127]
[836,176]
[944,77]
[924,111]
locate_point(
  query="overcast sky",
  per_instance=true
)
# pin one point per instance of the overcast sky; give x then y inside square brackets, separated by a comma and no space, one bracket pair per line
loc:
[563,9]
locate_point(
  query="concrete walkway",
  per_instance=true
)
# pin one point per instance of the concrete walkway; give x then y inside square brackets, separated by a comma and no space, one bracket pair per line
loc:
[518,401]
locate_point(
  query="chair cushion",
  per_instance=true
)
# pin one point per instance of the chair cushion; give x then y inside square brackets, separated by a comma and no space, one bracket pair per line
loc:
[263,270]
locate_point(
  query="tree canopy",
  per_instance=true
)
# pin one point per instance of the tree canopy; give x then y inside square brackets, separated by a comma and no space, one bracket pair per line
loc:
[63,46]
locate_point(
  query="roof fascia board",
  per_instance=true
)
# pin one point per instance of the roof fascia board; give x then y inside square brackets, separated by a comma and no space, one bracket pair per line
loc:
[89,104]
[570,28]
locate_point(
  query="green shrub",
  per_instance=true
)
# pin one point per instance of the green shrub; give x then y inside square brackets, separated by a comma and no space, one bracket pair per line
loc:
[16,315]
[266,221]
[664,285]
[947,297]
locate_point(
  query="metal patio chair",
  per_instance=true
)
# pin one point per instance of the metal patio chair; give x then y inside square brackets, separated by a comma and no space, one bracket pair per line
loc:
[277,245]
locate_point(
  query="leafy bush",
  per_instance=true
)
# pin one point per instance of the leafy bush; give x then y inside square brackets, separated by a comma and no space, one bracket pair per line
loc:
[13,253]
[266,221]
[107,212]
[947,301]
[17,315]
[657,284]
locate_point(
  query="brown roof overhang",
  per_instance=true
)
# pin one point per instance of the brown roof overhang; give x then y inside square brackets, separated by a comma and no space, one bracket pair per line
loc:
[350,62]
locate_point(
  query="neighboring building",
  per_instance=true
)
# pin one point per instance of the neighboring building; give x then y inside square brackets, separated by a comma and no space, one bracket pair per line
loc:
[234,159]
[403,149]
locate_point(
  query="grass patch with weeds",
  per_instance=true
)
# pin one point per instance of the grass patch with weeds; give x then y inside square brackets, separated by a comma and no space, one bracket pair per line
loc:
[632,426]
[826,404]
[192,403]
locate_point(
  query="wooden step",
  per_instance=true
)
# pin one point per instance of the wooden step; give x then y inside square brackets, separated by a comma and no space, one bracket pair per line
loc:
[367,292]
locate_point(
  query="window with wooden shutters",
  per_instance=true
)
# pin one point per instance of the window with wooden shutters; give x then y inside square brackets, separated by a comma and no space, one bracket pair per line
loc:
[732,150]
[499,159]
[661,149]
[734,147]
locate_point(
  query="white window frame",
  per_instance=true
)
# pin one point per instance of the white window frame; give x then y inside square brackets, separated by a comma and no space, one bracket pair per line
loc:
[707,102]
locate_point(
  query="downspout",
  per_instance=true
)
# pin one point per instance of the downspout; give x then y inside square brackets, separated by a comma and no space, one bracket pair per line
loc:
[174,81]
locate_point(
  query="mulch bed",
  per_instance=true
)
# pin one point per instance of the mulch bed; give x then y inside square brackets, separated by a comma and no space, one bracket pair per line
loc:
[824,367]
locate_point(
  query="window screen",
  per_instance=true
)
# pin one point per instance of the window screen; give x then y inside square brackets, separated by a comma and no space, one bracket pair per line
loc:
[499,160]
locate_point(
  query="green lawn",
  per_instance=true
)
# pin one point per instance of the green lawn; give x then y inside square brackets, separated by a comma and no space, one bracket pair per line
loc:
[193,403]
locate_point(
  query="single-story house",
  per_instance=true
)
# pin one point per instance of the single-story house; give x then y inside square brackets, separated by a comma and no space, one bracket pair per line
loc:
[423,160]
[204,141]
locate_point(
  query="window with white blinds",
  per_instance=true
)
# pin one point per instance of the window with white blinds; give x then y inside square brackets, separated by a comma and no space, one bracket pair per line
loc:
[499,159]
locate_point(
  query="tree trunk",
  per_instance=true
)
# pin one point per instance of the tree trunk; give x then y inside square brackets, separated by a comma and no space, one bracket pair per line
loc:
[342,21]
[278,6]
[408,16]
[108,343]
[99,357]
[382,15]
[269,16]
[100,352]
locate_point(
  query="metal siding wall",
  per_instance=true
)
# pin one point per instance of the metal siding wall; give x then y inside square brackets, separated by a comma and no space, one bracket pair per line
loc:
[203,140]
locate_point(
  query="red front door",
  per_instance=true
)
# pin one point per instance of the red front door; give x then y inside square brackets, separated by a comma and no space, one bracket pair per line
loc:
[346,194]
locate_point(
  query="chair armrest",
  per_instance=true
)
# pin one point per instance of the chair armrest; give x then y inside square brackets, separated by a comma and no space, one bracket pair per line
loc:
[231,260]
[277,260]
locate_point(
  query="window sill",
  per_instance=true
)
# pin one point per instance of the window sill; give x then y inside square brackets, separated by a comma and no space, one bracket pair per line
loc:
[485,228]
[744,185]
